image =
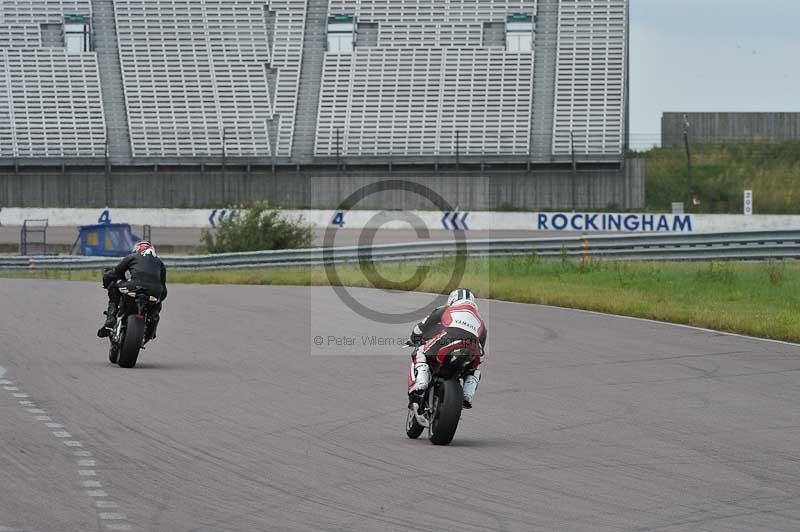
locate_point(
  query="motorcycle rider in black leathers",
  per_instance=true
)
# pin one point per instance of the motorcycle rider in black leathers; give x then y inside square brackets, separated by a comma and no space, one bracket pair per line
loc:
[141,268]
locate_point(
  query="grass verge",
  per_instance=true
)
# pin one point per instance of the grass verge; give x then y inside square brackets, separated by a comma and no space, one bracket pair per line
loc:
[757,299]
[720,174]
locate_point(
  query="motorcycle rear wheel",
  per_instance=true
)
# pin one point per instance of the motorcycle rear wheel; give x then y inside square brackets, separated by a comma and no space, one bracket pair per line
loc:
[449,399]
[132,342]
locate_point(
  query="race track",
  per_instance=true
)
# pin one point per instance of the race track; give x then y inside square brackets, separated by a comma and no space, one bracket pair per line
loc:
[235,421]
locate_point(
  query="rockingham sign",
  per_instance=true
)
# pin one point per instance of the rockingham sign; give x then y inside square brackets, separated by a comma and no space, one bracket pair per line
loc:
[611,222]
[571,222]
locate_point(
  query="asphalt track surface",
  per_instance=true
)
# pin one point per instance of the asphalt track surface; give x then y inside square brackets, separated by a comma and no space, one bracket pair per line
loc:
[234,420]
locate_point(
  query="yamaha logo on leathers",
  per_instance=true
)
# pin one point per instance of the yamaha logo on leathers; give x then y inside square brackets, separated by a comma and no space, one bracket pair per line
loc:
[465,320]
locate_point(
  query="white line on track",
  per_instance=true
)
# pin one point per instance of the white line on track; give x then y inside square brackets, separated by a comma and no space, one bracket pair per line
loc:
[112,520]
[106,504]
[112,515]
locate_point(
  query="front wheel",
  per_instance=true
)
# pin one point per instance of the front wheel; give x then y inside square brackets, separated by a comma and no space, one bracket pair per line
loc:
[113,353]
[132,342]
[448,400]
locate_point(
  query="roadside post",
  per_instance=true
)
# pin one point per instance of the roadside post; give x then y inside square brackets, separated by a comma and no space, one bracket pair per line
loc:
[585,257]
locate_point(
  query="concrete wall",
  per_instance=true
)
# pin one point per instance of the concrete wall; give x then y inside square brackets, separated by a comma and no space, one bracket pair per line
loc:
[177,187]
[720,127]
[568,222]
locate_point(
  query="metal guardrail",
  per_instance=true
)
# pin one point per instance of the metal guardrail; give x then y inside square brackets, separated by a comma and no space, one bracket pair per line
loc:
[752,245]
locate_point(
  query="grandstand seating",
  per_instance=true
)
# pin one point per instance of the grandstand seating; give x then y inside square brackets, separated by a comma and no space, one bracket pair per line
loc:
[427,11]
[206,78]
[287,53]
[50,102]
[590,77]
[419,101]
[430,87]
[21,19]
[194,76]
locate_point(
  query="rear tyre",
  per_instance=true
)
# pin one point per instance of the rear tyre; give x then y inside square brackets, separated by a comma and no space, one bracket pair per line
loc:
[413,429]
[113,353]
[132,342]
[449,400]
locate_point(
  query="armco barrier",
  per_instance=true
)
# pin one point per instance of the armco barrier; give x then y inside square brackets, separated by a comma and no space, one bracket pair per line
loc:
[755,245]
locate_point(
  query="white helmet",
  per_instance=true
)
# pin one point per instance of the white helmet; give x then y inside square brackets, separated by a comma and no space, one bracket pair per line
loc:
[462,295]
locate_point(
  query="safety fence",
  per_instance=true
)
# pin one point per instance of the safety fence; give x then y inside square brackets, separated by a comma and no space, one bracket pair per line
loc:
[753,245]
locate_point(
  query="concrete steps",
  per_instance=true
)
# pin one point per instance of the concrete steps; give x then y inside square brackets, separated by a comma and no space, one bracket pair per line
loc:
[106,47]
[310,80]
[544,79]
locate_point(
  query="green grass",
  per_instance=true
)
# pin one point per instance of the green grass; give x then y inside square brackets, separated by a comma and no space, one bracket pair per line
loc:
[758,299]
[721,173]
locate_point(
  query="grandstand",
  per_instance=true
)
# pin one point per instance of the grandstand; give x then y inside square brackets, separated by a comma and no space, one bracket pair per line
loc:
[50,100]
[305,83]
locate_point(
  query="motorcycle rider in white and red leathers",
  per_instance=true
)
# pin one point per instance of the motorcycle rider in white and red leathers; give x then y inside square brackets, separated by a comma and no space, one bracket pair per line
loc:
[453,326]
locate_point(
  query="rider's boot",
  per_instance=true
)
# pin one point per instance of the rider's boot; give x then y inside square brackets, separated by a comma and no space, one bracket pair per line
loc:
[422,377]
[111,319]
[154,319]
[470,386]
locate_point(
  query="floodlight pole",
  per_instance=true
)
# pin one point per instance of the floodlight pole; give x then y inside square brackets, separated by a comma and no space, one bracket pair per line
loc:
[338,156]
[458,150]
[688,161]
[107,171]
[574,171]
[224,154]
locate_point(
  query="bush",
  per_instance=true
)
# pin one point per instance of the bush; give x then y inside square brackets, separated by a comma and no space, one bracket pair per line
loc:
[258,228]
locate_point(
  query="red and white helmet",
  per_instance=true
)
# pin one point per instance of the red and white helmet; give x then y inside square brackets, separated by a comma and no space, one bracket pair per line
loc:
[143,246]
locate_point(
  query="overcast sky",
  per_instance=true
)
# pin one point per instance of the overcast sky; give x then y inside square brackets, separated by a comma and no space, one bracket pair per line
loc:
[711,55]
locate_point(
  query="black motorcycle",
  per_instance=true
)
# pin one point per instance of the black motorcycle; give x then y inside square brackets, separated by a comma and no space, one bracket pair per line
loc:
[134,327]
[439,408]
